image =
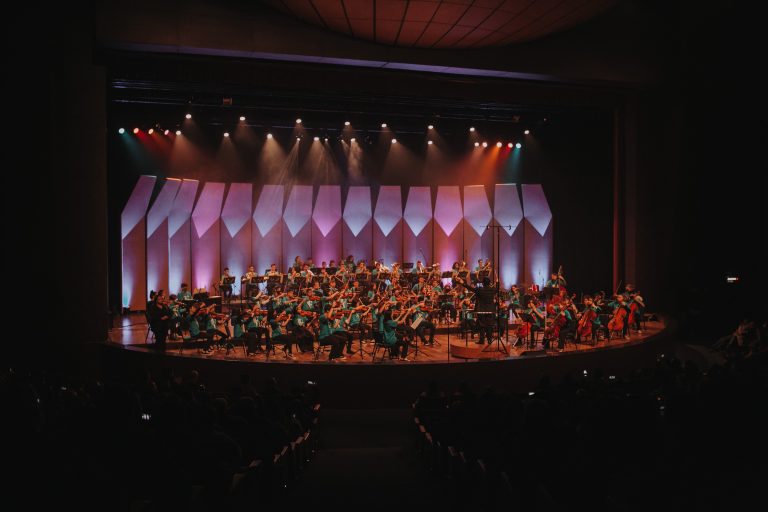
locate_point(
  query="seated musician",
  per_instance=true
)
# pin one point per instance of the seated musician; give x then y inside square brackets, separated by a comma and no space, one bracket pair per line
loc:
[356,322]
[184,293]
[419,268]
[194,317]
[390,337]
[420,288]
[178,310]
[361,268]
[306,272]
[538,316]
[637,310]
[325,277]
[420,312]
[325,335]
[297,263]
[448,304]
[589,306]
[256,327]
[272,272]
[212,320]
[619,302]
[225,289]
[480,266]
[280,334]
[305,338]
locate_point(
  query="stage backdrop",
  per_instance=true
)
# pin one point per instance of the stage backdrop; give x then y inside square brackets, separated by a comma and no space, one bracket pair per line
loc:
[191,231]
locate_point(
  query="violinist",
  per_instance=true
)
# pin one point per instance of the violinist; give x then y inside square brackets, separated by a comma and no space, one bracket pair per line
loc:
[420,311]
[256,326]
[339,329]
[448,305]
[212,321]
[326,337]
[420,288]
[396,343]
[280,334]
[304,336]
[538,316]
[356,322]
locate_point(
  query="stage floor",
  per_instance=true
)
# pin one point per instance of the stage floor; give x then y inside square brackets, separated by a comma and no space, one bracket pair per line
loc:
[131,333]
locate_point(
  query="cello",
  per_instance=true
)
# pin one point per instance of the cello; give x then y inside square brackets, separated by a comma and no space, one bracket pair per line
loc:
[584,327]
[617,322]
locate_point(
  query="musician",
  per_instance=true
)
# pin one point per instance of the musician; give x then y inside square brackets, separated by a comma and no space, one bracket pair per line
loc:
[390,337]
[304,336]
[245,281]
[256,325]
[211,321]
[326,337]
[184,293]
[420,288]
[280,334]
[419,268]
[194,317]
[339,329]
[420,312]
[636,310]
[297,263]
[306,272]
[178,309]
[448,303]
[538,316]
[556,281]
[480,266]
[590,310]
[619,302]
[486,308]
[225,289]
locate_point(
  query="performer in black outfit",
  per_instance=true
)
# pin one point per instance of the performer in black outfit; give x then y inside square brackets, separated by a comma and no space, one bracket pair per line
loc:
[485,308]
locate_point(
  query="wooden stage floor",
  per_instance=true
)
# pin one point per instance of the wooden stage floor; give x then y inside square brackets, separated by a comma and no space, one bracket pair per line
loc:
[131,332]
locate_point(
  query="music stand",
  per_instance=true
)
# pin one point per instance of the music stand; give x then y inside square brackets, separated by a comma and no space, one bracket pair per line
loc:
[408,265]
[500,346]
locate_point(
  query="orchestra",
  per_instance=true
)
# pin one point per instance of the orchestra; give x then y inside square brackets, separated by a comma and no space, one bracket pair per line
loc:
[349,306]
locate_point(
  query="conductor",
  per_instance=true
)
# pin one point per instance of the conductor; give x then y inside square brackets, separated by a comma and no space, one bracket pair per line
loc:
[485,307]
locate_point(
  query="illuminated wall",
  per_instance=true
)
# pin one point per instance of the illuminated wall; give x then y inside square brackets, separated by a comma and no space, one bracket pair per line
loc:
[191,232]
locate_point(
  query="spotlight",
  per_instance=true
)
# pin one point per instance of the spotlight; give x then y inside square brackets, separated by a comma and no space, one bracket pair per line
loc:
[326,139]
[431,127]
[509,145]
[178,132]
[346,123]
[242,118]
[383,125]
[151,131]
[121,131]
[226,134]
[167,132]
[317,139]
[269,135]
[527,132]
[188,116]
[298,121]
[477,144]
[498,144]
[352,139]
[485,144]
[518,145]
[298,138]
[135,130]
[394,141]
[429,142]
[471,128]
